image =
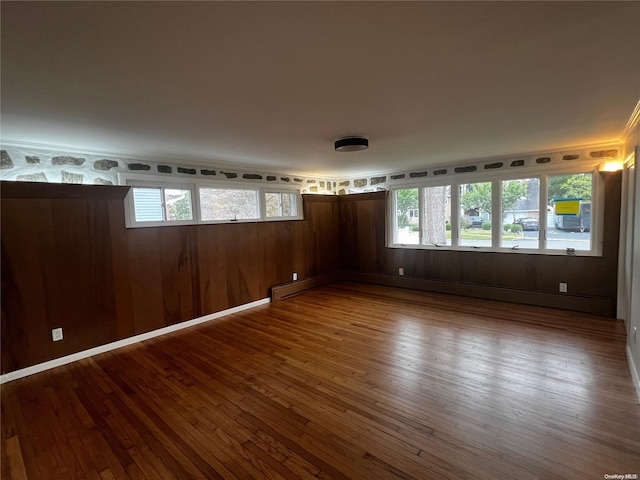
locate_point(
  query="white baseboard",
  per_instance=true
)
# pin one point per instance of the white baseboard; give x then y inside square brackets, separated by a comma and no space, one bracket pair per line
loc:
[41,367]
[634,372]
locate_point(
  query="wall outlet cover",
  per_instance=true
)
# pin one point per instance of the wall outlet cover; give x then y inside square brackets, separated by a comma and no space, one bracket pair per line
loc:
[56,334]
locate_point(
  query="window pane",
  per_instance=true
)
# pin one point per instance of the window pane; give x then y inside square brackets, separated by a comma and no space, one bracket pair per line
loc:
[573,229]
[407,225]
[273,202]
[223,204]
[437,216]
[289,205]
[178,203]
[475,214]
[520,213]
[147,204]
[280,204]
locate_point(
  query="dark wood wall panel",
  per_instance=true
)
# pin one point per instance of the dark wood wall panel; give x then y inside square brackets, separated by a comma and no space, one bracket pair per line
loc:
[56,272]
[213,271]
[363,250]
[68,261]
[145,279]
[26,249]
[122,264]
[323,256]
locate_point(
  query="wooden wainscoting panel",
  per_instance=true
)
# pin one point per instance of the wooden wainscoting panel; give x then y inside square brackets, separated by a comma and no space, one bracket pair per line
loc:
[56,273]
[322,213]
[600,306]
[145,280]
[80,293]
[68,261]
[27,251]
[177,272]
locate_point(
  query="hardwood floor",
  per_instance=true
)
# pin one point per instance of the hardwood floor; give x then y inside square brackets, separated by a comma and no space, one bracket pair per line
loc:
[344,381]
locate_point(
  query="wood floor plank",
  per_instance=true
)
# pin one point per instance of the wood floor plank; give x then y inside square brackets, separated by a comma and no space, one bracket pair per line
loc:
[343,381]
[14,462]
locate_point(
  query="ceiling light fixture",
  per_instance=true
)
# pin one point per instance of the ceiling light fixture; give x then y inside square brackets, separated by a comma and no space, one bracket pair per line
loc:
[351,144]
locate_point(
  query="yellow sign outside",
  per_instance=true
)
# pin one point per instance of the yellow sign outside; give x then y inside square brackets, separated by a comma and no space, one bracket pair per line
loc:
[567,206]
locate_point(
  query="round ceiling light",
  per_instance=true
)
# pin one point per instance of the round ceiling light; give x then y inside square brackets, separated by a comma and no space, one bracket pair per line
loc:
[351,144]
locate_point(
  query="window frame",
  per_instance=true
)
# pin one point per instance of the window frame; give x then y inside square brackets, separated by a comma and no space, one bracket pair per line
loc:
[458,208]
[392,215]
[496,179]
[130,214]
[542,225]
[298,203]
[194,185]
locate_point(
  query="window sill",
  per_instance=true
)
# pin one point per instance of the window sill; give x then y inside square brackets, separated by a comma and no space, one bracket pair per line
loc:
[526,251]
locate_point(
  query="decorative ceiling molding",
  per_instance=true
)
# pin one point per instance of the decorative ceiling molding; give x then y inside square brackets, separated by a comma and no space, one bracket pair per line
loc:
[59,165]
[591,156]
[633,121]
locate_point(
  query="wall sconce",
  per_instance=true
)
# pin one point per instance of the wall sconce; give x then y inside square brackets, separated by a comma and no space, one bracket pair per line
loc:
[611,166]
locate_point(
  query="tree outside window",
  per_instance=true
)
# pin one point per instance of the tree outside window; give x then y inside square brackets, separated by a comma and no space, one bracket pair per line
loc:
[476,197]
[476,203]
[571,186]
[406,200]
[435,216]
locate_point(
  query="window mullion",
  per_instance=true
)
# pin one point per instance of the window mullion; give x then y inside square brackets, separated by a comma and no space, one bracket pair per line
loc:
[496,213]
[421,216]
[455,214]
[542,221]
[263,204]
[597,213]
[165,214]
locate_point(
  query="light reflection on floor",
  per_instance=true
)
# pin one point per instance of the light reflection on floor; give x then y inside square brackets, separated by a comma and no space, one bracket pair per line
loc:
[507,366]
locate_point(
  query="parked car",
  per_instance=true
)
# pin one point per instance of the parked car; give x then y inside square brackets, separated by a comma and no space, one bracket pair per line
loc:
[475,221]
[528,223]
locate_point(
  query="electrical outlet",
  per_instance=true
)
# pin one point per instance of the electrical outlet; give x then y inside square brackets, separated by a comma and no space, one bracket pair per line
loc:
[401,271]
[295,276]
[563,287]
[56,334]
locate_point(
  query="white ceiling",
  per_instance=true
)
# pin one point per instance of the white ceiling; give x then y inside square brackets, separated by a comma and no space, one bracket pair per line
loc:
[274,84]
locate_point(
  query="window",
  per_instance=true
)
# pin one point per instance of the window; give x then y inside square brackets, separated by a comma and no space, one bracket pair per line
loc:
[423,216]
[178,204]
[475,214]
[569,201]
[220,204]
[521,217]
[281,205]
[407,231]
[552,213]
[148,204]
[151,204]
[437,216]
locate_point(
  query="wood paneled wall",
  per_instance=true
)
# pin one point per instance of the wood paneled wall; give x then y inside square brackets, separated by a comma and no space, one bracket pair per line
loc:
[363,250]
[68,261]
